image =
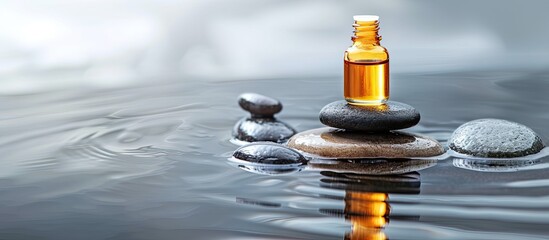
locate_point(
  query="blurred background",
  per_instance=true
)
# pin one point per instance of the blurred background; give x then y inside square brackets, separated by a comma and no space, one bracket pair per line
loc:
[63,44]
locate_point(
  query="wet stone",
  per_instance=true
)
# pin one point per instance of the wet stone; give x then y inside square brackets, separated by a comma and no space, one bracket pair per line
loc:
[259,105]
[495,138]
[342,144]
[268,153]
[379,118]
[262,129]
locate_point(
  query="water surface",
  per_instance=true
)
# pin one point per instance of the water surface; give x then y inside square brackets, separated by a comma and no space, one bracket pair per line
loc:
[150,162]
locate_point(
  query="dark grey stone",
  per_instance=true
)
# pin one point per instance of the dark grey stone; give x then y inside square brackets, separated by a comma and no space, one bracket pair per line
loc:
[495,138]
[262,129]
[268,153]
[380,118]
[259,105]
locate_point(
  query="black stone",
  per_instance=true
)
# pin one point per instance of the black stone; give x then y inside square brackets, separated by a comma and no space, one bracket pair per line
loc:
[379,118]
[262,129]
[259,105]
[268,153]
[495,138]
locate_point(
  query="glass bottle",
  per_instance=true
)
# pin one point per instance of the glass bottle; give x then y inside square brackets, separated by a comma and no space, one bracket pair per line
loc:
[366,64]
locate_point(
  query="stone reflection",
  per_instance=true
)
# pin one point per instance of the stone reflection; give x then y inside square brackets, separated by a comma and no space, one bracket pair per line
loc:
[365,167]
[495,165]
[350,137]
[366,199]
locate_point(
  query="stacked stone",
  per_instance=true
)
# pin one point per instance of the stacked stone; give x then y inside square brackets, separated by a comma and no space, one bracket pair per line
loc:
[366,132]
[261,125]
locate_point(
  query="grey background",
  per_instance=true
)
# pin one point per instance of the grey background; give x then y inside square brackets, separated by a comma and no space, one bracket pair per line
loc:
[62,44]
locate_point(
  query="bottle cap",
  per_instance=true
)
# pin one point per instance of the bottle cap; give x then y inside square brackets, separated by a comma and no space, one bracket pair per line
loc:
[365,18]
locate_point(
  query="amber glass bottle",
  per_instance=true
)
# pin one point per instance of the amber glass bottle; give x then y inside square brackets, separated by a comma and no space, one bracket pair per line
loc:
[366,64]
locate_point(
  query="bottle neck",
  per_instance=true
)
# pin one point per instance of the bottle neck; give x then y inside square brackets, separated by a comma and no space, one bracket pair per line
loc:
[366,33]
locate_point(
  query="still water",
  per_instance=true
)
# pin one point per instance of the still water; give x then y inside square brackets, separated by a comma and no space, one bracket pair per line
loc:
[150,162]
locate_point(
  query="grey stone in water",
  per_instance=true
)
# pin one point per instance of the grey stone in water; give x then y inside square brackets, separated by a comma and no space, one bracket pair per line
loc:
[495,138]
[259,105]
[378,118]
[262,129]
[268,153]
[262,126]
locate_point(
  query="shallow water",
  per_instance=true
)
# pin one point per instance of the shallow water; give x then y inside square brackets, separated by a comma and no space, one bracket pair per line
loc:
[150,162]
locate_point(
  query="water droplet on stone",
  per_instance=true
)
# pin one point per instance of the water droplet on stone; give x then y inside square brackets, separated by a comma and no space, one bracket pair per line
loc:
[495,138]
[262,125]
[262,129]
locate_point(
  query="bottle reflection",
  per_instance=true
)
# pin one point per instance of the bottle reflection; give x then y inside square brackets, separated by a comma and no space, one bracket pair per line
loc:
[368,214]
[366,199]
[367,184]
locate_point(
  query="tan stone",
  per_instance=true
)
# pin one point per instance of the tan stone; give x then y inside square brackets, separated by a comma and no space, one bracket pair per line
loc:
[337,143]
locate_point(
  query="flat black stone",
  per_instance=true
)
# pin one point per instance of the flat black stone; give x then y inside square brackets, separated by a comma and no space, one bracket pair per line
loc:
[259,105]
[379,118]
[268,153]
[262,129]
